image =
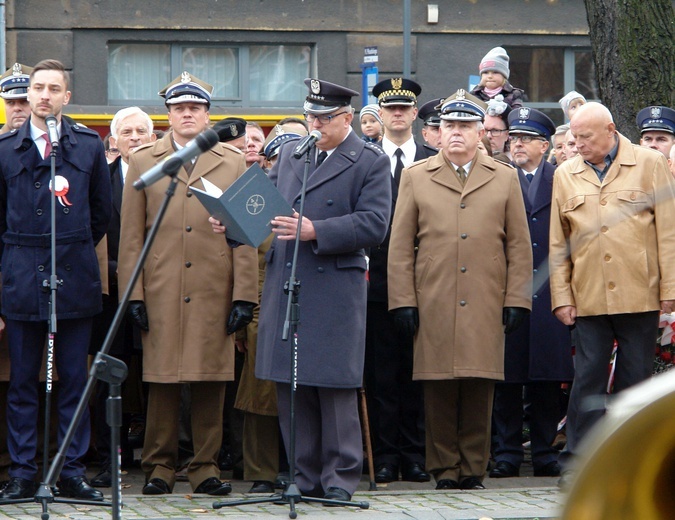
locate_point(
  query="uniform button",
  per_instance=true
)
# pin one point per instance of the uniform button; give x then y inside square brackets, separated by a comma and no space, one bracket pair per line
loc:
[188,264]
[534,219]
[611,285]
[188,229]
[38,212]
[41,268]
[603,202]
[186,299]
[297,201]
[604,229]
[462,303]
[608,258]
[534,244]
[632,196]
[329,202]
[463,269]
[534,296]
[320,269]
[289,265]
[462,205]
[68,267]
[37,185]
[188,194]
[535,270]
[463,235]
[66,210]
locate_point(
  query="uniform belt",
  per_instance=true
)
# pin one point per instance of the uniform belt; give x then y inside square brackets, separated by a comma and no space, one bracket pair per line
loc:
[30,240]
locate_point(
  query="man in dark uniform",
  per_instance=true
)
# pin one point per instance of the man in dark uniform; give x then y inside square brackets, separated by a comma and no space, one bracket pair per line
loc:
[430,113]
[538,355]
[129,129]
[657,128]
[395,400]
[347,209]
[83,212]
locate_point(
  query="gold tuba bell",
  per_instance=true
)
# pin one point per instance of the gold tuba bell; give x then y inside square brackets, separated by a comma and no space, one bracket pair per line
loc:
[626,468]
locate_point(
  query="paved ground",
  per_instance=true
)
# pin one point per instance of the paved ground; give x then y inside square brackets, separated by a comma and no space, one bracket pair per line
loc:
[526,497]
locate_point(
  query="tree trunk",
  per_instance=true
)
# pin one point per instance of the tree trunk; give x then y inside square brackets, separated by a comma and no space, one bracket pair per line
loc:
[634,55]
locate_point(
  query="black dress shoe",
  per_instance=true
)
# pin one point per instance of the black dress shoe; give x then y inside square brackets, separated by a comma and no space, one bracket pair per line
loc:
[471,483]
[504,469]
[18,487]
[552,469]
[415,473]
[386,473]
[156,486]
[447,483]
[262,486]
[282,480]
[78,487]
[214,486]
[336,493]
[103,479]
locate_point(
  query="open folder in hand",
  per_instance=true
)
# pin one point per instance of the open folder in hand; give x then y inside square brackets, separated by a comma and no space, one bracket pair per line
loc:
[246,207]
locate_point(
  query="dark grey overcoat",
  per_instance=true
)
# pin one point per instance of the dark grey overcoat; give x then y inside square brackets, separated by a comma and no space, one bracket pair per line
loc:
[348,200]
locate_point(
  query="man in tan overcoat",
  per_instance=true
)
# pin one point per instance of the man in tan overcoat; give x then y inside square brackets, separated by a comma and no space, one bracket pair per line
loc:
[191,282]
[466,283]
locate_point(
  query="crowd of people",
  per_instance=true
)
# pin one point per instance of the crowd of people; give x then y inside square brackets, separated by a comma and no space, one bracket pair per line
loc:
[452,278]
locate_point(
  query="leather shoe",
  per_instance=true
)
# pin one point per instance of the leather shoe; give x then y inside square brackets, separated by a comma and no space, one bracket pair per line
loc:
[262,486]
[415,473]
[447,483]
[78,487]
[18,487]
[336,493]
[552,469]
[504,469]
[156,486]
[471,483]
[214,486]
[386,473]
[103,479]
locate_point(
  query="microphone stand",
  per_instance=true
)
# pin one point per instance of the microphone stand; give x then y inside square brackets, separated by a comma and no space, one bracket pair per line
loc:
[291,494]
[107,369]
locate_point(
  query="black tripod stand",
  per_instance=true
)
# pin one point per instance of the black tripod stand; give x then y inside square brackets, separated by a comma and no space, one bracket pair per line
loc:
[291,494]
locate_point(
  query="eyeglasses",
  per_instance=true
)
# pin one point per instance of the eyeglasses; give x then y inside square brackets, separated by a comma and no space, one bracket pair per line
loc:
[324,120]
[495,131]
[525,139]
[113,151]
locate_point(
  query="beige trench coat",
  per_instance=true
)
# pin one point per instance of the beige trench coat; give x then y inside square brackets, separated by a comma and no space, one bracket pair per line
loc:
[474,259]
[191,276]
[612,245]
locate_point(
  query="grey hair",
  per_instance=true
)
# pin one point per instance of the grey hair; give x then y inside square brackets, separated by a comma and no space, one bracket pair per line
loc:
[123,114]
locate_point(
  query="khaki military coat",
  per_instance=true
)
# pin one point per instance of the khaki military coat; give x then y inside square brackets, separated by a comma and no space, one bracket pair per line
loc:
[474,258]
[612,244]
[191,276]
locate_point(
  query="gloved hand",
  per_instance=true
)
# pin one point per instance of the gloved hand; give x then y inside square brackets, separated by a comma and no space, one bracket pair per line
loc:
[138,314]
[406,320]
[240,316]
[512,317]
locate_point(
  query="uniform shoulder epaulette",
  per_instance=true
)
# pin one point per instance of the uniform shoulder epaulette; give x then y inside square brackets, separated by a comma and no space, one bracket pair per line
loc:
[142,147]
[418,162]
[9,134]
[231,148]
[373,147]
[430,148]
[81,129]
[502,163]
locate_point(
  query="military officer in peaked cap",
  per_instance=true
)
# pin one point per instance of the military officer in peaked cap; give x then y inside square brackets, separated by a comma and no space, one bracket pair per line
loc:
[347,207]
[395,400]
[14,90]
[538,354]
[460,276]
[194,292]
[657,128]
[431,115]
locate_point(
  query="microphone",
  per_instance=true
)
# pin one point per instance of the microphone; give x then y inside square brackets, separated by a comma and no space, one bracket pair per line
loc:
[306,143]
[203,142]
[52,133]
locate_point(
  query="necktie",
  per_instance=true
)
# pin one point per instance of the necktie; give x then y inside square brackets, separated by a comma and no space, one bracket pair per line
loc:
[48,147]
[529,176]
[321,158]
[461,173]
[399,166]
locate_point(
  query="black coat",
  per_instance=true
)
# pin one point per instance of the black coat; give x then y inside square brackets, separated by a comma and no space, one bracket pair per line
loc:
[377,267]
[540,349]
[82,216]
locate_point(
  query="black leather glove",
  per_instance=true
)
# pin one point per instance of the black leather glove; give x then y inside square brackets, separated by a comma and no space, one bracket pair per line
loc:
[406,320]
[512,317]
[240,316]
[138,314]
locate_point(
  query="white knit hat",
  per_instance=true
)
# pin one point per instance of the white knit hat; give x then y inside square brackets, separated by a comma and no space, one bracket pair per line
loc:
[498,60]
